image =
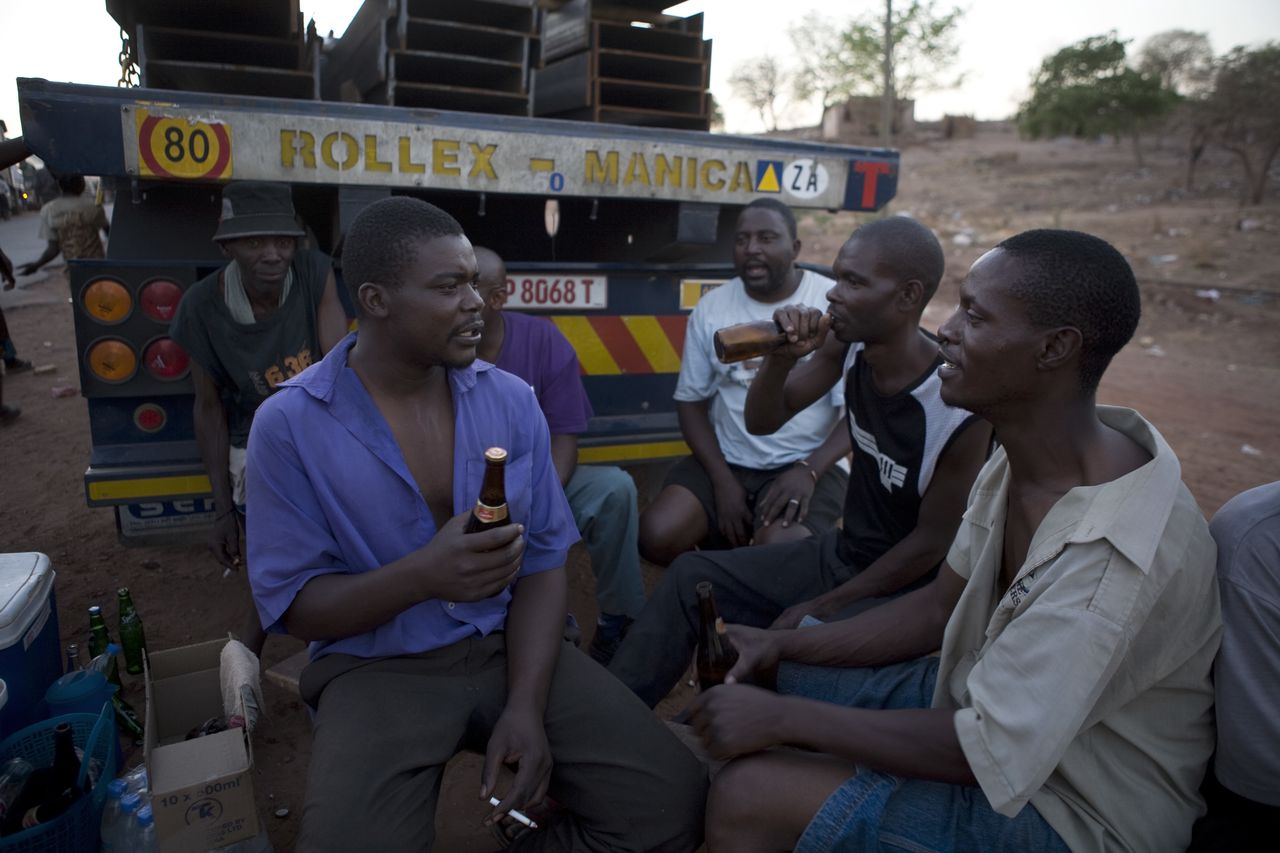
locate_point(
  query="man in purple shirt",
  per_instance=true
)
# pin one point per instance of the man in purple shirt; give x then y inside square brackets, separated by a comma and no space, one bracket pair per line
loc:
[426,640]
[601,497]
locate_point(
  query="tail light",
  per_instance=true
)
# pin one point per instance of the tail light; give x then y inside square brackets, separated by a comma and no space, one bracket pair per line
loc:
[149,417]
[165,360]
[112,360]
[159,299]
[106,300]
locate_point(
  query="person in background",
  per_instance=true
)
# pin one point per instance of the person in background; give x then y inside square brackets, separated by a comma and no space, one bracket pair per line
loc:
[601,497]
[426,640]
[71,224]
[262,318]
[736,485]
[1243,784]
[8,413]
[1077,616]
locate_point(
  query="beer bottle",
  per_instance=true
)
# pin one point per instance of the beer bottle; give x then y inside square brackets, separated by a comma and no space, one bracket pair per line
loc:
[73,657]
[748,340]
[716,655]
[131,636]
[490,510]
[99,639]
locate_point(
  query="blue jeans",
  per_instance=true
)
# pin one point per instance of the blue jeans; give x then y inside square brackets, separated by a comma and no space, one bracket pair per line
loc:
[603,501]
[876,811]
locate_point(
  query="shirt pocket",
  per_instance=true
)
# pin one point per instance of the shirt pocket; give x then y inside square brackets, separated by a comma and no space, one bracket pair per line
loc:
[517,484]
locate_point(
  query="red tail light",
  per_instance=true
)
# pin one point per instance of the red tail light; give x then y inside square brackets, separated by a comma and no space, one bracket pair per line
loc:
[149,417]
[159,299]
[164,359]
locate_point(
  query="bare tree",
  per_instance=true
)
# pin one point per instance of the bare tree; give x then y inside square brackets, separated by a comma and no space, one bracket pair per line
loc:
[759,83]
[1246,89]
[1183,61]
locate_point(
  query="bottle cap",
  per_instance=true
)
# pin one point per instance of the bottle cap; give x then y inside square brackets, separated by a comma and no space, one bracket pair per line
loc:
[144,816]
[495,454]
[122,591]
[130,802]
[94,610]
[117,789]
[113,648]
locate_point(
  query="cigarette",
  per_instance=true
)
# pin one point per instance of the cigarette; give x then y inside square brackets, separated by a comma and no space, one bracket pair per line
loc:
[515,813]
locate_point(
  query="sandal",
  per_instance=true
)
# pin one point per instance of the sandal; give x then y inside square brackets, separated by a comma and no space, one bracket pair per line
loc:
[16,365]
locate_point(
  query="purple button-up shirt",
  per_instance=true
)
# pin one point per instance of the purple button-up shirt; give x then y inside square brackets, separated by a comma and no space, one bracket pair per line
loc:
[329,492]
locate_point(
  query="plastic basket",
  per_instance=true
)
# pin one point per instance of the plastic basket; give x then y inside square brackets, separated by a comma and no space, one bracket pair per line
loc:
[76,829]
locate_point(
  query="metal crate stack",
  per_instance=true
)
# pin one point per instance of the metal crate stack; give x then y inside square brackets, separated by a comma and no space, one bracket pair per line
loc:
[232,47]
[624,62]
[470,55]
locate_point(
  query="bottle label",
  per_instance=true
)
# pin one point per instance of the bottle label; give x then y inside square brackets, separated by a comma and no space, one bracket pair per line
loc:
[490,514]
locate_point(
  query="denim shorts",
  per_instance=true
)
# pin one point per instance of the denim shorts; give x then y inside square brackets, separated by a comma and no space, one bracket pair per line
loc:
[877,811]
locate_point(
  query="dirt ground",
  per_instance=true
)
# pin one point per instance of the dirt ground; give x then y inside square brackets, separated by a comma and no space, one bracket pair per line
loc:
[1205,368]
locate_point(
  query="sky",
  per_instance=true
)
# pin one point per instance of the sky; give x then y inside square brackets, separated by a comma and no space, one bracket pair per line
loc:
[1002,42]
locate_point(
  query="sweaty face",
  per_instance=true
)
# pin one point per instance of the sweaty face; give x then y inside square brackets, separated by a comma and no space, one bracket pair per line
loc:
[764,254]
[434,312]
[262,260]
[863,298]
[989,344]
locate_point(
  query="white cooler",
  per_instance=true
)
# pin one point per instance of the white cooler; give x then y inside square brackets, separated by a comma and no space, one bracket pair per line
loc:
[30,653]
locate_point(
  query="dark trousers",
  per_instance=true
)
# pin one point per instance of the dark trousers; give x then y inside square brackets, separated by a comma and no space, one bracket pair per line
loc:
[1233,824]
[753,585]
[385,728]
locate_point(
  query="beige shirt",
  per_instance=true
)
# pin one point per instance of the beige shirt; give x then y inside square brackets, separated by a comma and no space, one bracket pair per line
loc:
[73,222]
[1084,688]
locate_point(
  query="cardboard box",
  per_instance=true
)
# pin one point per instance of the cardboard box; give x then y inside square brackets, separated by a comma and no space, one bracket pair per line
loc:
[201,789]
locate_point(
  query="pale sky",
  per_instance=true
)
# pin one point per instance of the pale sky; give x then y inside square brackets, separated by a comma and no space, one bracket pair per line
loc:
[1002,41]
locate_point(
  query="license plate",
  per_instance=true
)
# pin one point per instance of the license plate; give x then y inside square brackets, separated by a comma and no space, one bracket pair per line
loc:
[553,292]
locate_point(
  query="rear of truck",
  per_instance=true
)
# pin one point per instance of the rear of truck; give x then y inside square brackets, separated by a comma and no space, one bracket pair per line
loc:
[612,231]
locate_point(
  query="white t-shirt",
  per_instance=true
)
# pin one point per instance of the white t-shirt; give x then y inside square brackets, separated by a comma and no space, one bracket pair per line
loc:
[703,377]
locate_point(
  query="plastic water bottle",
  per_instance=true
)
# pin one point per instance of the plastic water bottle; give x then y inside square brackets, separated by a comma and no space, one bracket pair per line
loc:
[144,832]
[111,814]
[122,833]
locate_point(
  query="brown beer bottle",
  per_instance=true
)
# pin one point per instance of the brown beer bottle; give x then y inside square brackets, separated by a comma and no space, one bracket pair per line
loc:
[490,510]
[748,340]
[716,655]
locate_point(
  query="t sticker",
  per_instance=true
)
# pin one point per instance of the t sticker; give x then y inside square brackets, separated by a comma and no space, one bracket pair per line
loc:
[805,179]
[768,175]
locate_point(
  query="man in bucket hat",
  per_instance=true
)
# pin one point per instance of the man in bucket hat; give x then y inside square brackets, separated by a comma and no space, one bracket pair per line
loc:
[264,317]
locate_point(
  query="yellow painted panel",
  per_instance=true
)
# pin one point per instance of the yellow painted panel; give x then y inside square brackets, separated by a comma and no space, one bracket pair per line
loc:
[654,343]
[592,352]
[632,452]
[152,487]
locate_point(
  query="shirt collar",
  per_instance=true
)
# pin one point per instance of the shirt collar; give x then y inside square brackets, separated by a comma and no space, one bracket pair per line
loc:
[1132,511]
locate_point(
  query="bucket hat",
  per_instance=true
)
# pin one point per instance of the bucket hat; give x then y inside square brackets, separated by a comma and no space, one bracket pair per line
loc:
[256,209]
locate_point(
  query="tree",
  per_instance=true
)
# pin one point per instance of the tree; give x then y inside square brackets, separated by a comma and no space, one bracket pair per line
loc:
[1087,90]
[837,62]
[1246,90]
[1183,61]
[760,83]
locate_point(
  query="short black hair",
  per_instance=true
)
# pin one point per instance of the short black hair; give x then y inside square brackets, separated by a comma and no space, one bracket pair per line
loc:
[778,208]
[909,249]
[377,244]
[71,184]
[1069,278]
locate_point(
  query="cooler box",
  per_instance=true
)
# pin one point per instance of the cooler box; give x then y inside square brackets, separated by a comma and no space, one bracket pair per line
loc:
[30,654]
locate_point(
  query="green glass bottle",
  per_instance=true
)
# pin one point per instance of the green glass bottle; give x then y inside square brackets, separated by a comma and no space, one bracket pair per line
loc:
[132,637]
[99,639]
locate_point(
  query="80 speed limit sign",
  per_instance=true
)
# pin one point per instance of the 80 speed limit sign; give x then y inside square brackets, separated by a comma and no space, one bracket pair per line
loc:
[178,148]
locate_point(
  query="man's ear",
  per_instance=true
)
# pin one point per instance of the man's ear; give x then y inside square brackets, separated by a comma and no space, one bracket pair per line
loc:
[222,247]
[1059,347]
[498,298]
[911,295]
[373,300]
